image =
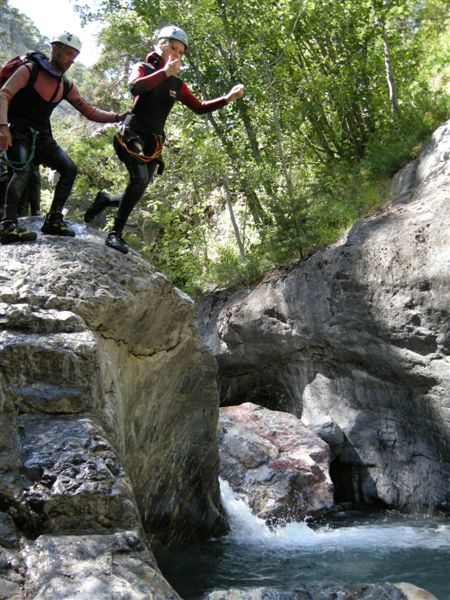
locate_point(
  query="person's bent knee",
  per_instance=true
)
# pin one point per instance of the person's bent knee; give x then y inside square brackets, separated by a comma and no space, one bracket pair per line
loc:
[70,171]
[139,183]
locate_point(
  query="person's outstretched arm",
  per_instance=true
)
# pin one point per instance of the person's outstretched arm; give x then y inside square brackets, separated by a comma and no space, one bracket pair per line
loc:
[89,111]
[205,106]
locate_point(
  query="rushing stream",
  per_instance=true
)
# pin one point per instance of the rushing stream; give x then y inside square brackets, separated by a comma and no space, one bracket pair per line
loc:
[370,547]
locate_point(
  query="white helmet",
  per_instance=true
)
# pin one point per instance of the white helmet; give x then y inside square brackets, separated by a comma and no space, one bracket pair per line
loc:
[175,33]
[68,39]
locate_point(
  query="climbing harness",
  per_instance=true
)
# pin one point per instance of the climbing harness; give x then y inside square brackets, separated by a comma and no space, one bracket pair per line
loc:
[21,165]
[119,138]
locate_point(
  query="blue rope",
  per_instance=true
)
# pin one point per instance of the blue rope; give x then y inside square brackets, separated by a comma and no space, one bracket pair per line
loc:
[21,165]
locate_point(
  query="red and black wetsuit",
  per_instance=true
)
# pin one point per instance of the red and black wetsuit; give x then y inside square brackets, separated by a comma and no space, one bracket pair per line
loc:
[155,94]
[29,107]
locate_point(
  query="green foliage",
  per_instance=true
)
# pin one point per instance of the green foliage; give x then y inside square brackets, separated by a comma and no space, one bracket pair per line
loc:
[325,122]
[18,33]
[231,268]
[313,144]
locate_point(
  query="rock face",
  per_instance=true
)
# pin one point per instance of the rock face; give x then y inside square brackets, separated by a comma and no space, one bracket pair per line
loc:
[320,591]
[108,414]
[355,341]
[275,461]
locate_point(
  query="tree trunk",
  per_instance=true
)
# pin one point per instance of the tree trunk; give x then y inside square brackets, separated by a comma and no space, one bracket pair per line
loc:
[393,100]
[232,216]
[259,215]
[279,136]
[395,109]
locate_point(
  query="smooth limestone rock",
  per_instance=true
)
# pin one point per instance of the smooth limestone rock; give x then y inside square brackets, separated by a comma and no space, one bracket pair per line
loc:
[325,591]
[355,341]
[108,415]
[88,567]
[278,464]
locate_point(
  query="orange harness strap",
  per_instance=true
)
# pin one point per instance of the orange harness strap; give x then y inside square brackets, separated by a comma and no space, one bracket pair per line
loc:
[139,155]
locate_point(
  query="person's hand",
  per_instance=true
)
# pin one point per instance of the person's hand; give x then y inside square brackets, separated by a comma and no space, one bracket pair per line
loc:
[5,137]
[235,93]
[122,116]
[172,67]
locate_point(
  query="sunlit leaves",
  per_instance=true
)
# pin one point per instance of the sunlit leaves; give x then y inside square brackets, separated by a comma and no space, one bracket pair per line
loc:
[314,127]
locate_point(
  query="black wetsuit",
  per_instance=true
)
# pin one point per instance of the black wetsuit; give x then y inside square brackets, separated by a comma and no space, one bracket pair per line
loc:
[29,101]
[155,94]
[28,113]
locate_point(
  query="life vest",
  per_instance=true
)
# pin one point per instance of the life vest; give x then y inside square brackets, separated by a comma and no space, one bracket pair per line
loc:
[151,109]
[14,63]
[27,108]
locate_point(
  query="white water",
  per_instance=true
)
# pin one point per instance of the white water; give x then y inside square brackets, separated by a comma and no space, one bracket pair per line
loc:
[247,529]
[355,547]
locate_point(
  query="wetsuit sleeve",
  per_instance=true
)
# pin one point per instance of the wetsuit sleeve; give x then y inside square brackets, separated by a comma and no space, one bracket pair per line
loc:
[85,108]
[200,107]
[15,83]
[140,81]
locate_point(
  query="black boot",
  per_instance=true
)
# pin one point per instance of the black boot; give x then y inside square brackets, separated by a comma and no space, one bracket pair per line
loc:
[100,203]
[11,233]
[54,224]
[115,240]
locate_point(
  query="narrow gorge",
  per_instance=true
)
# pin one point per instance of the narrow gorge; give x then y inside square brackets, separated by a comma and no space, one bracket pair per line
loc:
[355,342]
[111,381]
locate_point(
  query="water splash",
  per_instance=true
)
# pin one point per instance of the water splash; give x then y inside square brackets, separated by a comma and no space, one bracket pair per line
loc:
[396,532]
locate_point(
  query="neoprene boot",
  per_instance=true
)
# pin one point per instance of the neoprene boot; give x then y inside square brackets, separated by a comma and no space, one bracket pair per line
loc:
[54,224]
[11,233]
[115,240]
[100,203]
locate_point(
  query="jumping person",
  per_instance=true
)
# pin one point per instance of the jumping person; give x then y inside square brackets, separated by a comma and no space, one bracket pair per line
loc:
[27,106]
[156,86]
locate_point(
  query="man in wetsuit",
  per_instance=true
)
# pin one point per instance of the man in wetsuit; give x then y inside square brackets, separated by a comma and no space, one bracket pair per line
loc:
[156,86]
[30,203]
[31,199]
[25,133]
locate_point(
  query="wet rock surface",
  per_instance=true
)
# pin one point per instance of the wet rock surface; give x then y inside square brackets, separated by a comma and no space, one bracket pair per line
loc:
[278,464]
[325,591]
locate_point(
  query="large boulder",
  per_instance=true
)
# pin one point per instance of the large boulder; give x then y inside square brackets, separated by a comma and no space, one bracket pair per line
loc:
[355,341]
[83,566]
[280,466]
[108,412]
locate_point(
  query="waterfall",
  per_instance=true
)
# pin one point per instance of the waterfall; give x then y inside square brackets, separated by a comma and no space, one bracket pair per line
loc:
[380,546]
[382,533]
